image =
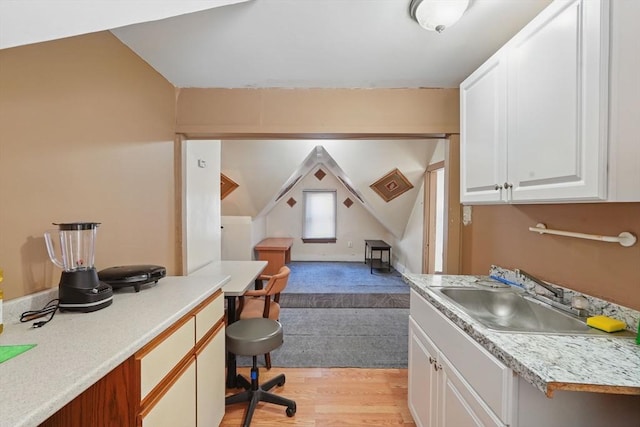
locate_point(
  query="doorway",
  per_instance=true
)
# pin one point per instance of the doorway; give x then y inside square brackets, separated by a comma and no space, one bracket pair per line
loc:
[434,211]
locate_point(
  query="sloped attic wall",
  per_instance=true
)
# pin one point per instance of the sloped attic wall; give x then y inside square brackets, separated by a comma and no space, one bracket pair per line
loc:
[261,168]
[354,224]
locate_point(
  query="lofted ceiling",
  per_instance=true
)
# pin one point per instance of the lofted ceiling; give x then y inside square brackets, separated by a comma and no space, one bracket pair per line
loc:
[324,44]
[291,44]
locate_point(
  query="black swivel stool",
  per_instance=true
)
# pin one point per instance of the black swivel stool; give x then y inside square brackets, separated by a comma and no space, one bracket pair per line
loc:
[252,337]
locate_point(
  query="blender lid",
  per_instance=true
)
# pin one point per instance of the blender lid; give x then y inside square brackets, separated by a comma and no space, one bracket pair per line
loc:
[77,225]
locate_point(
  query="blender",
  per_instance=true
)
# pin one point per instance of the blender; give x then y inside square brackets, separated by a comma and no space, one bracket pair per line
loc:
[79,288]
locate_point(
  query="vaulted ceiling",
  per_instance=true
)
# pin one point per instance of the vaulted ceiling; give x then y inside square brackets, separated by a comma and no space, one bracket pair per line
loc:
[264,170]
[280,43]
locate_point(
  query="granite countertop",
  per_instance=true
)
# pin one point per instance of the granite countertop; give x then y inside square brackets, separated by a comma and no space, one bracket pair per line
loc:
[75,350]
[549,362]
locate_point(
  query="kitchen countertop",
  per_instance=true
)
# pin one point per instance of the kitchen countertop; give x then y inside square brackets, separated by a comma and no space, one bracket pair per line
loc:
[549,362]
[75,350]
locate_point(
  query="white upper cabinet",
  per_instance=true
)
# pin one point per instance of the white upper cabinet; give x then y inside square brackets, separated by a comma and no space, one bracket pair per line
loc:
[483,162]
[534,116]
[624,103]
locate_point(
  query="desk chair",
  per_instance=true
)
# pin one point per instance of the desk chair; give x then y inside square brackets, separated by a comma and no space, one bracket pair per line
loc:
[259,303]
[250,337]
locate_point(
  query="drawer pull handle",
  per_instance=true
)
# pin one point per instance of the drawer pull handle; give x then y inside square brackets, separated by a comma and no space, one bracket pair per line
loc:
[431,360]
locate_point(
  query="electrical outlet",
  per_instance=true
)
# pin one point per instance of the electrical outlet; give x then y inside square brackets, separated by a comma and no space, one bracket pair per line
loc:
[349,244]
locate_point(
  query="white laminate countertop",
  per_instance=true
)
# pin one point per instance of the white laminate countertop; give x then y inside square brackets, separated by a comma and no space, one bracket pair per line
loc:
[242,273]
[549,362]
[75,350]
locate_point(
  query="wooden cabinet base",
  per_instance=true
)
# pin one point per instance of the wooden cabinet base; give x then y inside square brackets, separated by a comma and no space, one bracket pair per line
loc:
[114,389]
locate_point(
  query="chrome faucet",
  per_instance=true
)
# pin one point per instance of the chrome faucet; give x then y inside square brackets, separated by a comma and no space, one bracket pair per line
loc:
[558,293]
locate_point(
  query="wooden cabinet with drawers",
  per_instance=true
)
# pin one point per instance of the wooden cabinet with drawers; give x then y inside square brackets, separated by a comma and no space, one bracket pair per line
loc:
[176,379]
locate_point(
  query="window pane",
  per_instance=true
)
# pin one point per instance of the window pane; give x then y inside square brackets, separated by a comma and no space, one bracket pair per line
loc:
[319,215]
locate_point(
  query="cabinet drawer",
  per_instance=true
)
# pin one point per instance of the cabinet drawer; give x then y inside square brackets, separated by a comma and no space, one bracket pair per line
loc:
[176,407]
[209,315]
[157,359]
[490,379]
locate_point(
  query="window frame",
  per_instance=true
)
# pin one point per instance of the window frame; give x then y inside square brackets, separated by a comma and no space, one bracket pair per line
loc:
[327,239]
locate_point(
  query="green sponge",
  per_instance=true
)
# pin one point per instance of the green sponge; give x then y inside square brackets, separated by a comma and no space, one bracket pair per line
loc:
[606,324]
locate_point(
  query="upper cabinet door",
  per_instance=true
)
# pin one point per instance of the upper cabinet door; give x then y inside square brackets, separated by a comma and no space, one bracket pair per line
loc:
[483,152]
[557,104]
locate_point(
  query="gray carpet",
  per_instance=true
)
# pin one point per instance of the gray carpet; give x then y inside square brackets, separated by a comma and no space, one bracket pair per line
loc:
[335,337]
[338,314]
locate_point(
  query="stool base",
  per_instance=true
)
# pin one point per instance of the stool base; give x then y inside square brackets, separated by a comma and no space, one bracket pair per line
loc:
[254,393]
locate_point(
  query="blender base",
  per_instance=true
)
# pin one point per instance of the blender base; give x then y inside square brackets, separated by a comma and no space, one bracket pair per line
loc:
[82,291]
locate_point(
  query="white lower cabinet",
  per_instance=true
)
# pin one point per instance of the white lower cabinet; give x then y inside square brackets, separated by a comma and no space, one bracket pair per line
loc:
[423,386]
[455,382]
[438,395]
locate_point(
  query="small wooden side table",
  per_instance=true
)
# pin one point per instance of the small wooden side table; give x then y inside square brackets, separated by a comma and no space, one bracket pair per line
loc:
[371,246]
[276,251]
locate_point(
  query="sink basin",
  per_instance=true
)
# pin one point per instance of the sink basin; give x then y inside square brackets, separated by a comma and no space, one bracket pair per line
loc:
[511,311]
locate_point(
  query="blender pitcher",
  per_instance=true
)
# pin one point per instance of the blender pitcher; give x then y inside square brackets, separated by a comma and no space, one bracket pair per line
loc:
[77,245]
[79,288]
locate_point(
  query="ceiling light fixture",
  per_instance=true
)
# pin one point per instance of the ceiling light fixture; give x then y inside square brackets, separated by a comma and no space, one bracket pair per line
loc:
[436,15]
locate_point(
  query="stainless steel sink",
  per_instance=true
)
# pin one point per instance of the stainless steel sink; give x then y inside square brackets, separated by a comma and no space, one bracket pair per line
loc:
[512,311]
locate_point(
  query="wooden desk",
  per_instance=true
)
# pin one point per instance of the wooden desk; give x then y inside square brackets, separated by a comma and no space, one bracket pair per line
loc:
[276,251]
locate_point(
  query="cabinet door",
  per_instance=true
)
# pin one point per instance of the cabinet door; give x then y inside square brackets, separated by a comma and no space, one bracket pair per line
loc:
[423,380]
[557,104]
[210,380]
[177,406]
[459,405]
[483,133]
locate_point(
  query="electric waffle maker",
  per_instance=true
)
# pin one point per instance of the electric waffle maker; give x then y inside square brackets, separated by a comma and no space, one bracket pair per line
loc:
[123,276]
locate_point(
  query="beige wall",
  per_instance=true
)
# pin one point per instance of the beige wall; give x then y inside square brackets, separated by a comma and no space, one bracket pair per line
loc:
[87,134]
[317,112]
[499,235]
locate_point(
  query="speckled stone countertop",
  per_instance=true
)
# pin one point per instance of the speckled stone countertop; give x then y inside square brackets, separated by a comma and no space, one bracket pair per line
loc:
[549,362]
[75,350]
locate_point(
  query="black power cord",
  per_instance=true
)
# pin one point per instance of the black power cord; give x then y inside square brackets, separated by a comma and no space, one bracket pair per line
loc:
[49,309]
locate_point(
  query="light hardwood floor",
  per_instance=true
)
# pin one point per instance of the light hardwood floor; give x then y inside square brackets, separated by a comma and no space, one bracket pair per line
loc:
[331,397]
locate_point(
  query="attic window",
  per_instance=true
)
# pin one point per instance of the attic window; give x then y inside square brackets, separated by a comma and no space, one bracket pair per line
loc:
[319,221]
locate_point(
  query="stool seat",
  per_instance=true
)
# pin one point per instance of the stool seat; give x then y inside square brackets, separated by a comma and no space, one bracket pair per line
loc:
[251,337]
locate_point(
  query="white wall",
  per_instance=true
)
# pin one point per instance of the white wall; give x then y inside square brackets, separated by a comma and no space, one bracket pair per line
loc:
[201,203]
[236,242]
[354,225]
[408,250]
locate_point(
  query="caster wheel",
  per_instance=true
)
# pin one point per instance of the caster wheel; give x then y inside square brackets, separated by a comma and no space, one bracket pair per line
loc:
[280,384]
[291,410]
